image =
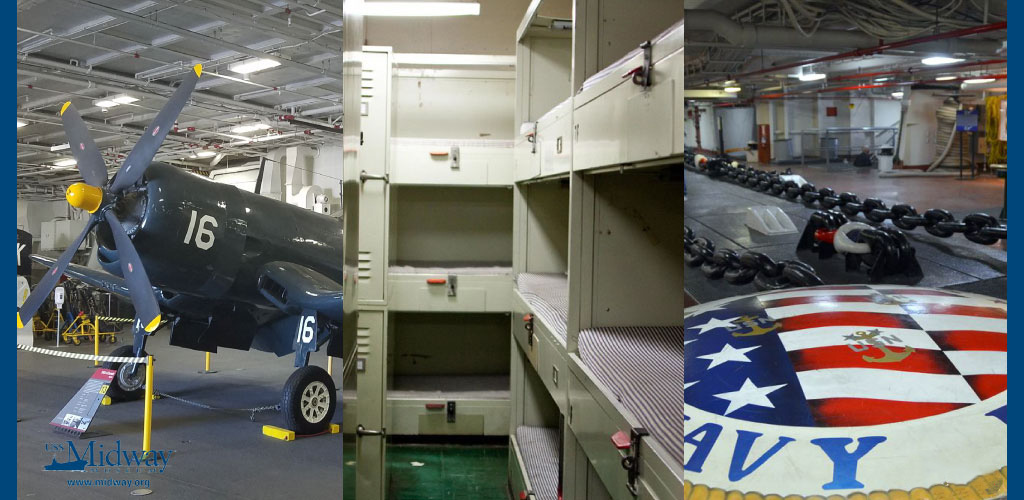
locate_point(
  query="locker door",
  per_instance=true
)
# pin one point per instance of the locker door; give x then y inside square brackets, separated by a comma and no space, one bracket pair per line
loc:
[375,114]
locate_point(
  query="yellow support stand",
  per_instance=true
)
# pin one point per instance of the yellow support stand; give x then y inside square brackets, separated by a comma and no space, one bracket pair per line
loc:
[96,346]
[208,364]
[147,424]
[330,364]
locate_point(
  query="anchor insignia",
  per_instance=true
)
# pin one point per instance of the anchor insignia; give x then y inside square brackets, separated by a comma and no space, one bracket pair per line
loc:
[871,338]
[755,326]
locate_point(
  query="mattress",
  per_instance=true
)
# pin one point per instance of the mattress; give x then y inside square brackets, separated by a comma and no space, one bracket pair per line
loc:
[464,270]
[539,449]
[643,368]
[548,296]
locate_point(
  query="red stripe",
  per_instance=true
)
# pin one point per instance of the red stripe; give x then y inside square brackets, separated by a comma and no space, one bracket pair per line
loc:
[817,299]
[970,340]
[847,318]
[841,412]
[986,386]
[843,356]
[959,310]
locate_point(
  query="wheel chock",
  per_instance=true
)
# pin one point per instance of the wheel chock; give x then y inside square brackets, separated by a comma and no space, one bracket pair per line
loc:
[106,401]
[278,433]
[335,428]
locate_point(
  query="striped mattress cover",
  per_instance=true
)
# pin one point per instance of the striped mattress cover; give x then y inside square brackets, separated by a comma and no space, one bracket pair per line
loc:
[643,368]
[539,449]
[548,296]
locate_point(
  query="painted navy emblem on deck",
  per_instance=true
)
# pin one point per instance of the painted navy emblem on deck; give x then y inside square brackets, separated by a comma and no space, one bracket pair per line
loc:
[839,390]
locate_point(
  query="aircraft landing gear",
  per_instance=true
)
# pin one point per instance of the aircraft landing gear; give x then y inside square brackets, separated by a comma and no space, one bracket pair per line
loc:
[130,380]
[309,400]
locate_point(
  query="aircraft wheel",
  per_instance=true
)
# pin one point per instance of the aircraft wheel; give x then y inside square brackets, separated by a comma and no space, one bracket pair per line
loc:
[309,400]
[126,386]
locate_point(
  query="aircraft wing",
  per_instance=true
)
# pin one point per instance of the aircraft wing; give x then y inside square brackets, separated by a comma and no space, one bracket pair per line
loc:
[94,277]
[293,289]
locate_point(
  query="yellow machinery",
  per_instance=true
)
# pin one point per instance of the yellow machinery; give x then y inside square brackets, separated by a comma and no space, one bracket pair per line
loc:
[84,326]
[45,324]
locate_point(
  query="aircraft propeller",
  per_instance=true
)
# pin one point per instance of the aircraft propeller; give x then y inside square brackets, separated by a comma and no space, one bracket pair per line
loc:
[98,196]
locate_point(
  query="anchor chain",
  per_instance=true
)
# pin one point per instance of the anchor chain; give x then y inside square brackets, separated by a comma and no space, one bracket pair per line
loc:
[980,228]
[740,269]
[252,411]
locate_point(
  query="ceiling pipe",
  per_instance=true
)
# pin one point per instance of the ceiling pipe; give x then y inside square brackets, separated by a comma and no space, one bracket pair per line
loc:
[776,37]
[847,88]
[871,50]
[918,69]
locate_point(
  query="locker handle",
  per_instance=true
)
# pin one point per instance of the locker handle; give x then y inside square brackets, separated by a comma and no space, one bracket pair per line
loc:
[434,406]
[438,153]
[436,281]
[621,440]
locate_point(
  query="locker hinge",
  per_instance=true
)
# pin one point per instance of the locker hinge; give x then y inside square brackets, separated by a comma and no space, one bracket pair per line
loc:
[632,462]
[642,74]
[452,285]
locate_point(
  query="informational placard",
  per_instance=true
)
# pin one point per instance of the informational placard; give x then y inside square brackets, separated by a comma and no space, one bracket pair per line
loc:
[24,251]
[75,417]
[967,120]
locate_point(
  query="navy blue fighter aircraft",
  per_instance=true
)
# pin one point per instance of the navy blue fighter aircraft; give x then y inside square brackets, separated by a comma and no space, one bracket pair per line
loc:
[229,268]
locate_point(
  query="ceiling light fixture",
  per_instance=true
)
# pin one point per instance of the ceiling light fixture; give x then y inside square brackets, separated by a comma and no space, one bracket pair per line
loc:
[205,154]
[937,60]
[979,80]
[732,90]
[111,101]
[811,77]
[21,124]
[945,77]
[252,127]
[67,162]
[253,65]
[898,95]
[883,79]
[420,9]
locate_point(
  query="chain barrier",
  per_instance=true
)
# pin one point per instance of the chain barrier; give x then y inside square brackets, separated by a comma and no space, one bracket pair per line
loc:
[741,269]
[980,228]
[252,411]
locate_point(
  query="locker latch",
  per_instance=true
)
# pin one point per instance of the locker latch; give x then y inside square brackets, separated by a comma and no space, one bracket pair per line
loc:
[452,285]
[528,326]
[450,411]
[642,74]
[632,462]
[454,158]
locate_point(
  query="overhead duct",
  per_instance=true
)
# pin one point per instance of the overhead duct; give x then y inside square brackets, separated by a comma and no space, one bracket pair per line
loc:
[778,37]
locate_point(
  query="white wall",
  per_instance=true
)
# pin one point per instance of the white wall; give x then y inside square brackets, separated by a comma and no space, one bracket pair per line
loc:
[31,214]
[801,114]
[454,108]
[920,125]
[737,127]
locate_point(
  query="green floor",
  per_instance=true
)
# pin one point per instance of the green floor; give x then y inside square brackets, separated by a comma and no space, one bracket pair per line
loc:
[440,472]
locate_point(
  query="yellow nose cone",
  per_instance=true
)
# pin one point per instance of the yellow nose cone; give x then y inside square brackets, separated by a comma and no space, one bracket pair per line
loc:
[83,196]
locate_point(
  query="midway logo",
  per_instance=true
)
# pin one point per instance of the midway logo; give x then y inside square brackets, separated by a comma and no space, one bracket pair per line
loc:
[94,458]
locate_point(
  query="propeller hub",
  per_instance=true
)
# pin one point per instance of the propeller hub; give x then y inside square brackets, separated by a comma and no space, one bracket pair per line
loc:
[83,196]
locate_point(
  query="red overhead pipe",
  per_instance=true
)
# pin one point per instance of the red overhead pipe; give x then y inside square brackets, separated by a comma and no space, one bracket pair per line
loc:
[974,30]
[918,69]
[827,90]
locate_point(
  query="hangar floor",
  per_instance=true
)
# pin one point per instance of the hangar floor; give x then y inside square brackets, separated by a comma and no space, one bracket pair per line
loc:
[716,209]
[210,445]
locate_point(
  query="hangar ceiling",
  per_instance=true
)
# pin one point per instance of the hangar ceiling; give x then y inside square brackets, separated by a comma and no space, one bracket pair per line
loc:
[96,53]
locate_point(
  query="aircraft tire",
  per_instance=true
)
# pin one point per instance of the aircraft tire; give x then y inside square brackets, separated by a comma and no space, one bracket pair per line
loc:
[116,391]
[309,400]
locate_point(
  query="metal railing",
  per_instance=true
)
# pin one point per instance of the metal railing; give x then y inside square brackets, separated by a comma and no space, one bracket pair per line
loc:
[833,143]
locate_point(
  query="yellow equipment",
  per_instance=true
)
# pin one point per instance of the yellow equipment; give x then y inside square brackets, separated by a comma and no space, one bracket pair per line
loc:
[84,326]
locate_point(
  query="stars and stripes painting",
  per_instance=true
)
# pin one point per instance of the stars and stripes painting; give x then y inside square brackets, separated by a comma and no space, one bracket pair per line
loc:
[853,355]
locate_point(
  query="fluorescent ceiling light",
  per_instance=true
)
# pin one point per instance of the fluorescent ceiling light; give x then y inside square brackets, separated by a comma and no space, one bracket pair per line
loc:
[898,95]
[810,77]
[732,90]
[21,124]
[454,60]
[883,79]
[67,162]
[730,82]
[205,154]
[937,60]
[253,65]
[252,127]
[945,77]
[979,80]
[111,101]
[420,9]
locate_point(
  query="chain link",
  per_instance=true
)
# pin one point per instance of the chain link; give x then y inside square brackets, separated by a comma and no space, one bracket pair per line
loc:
[741,269]
[252,411]
[980,228]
